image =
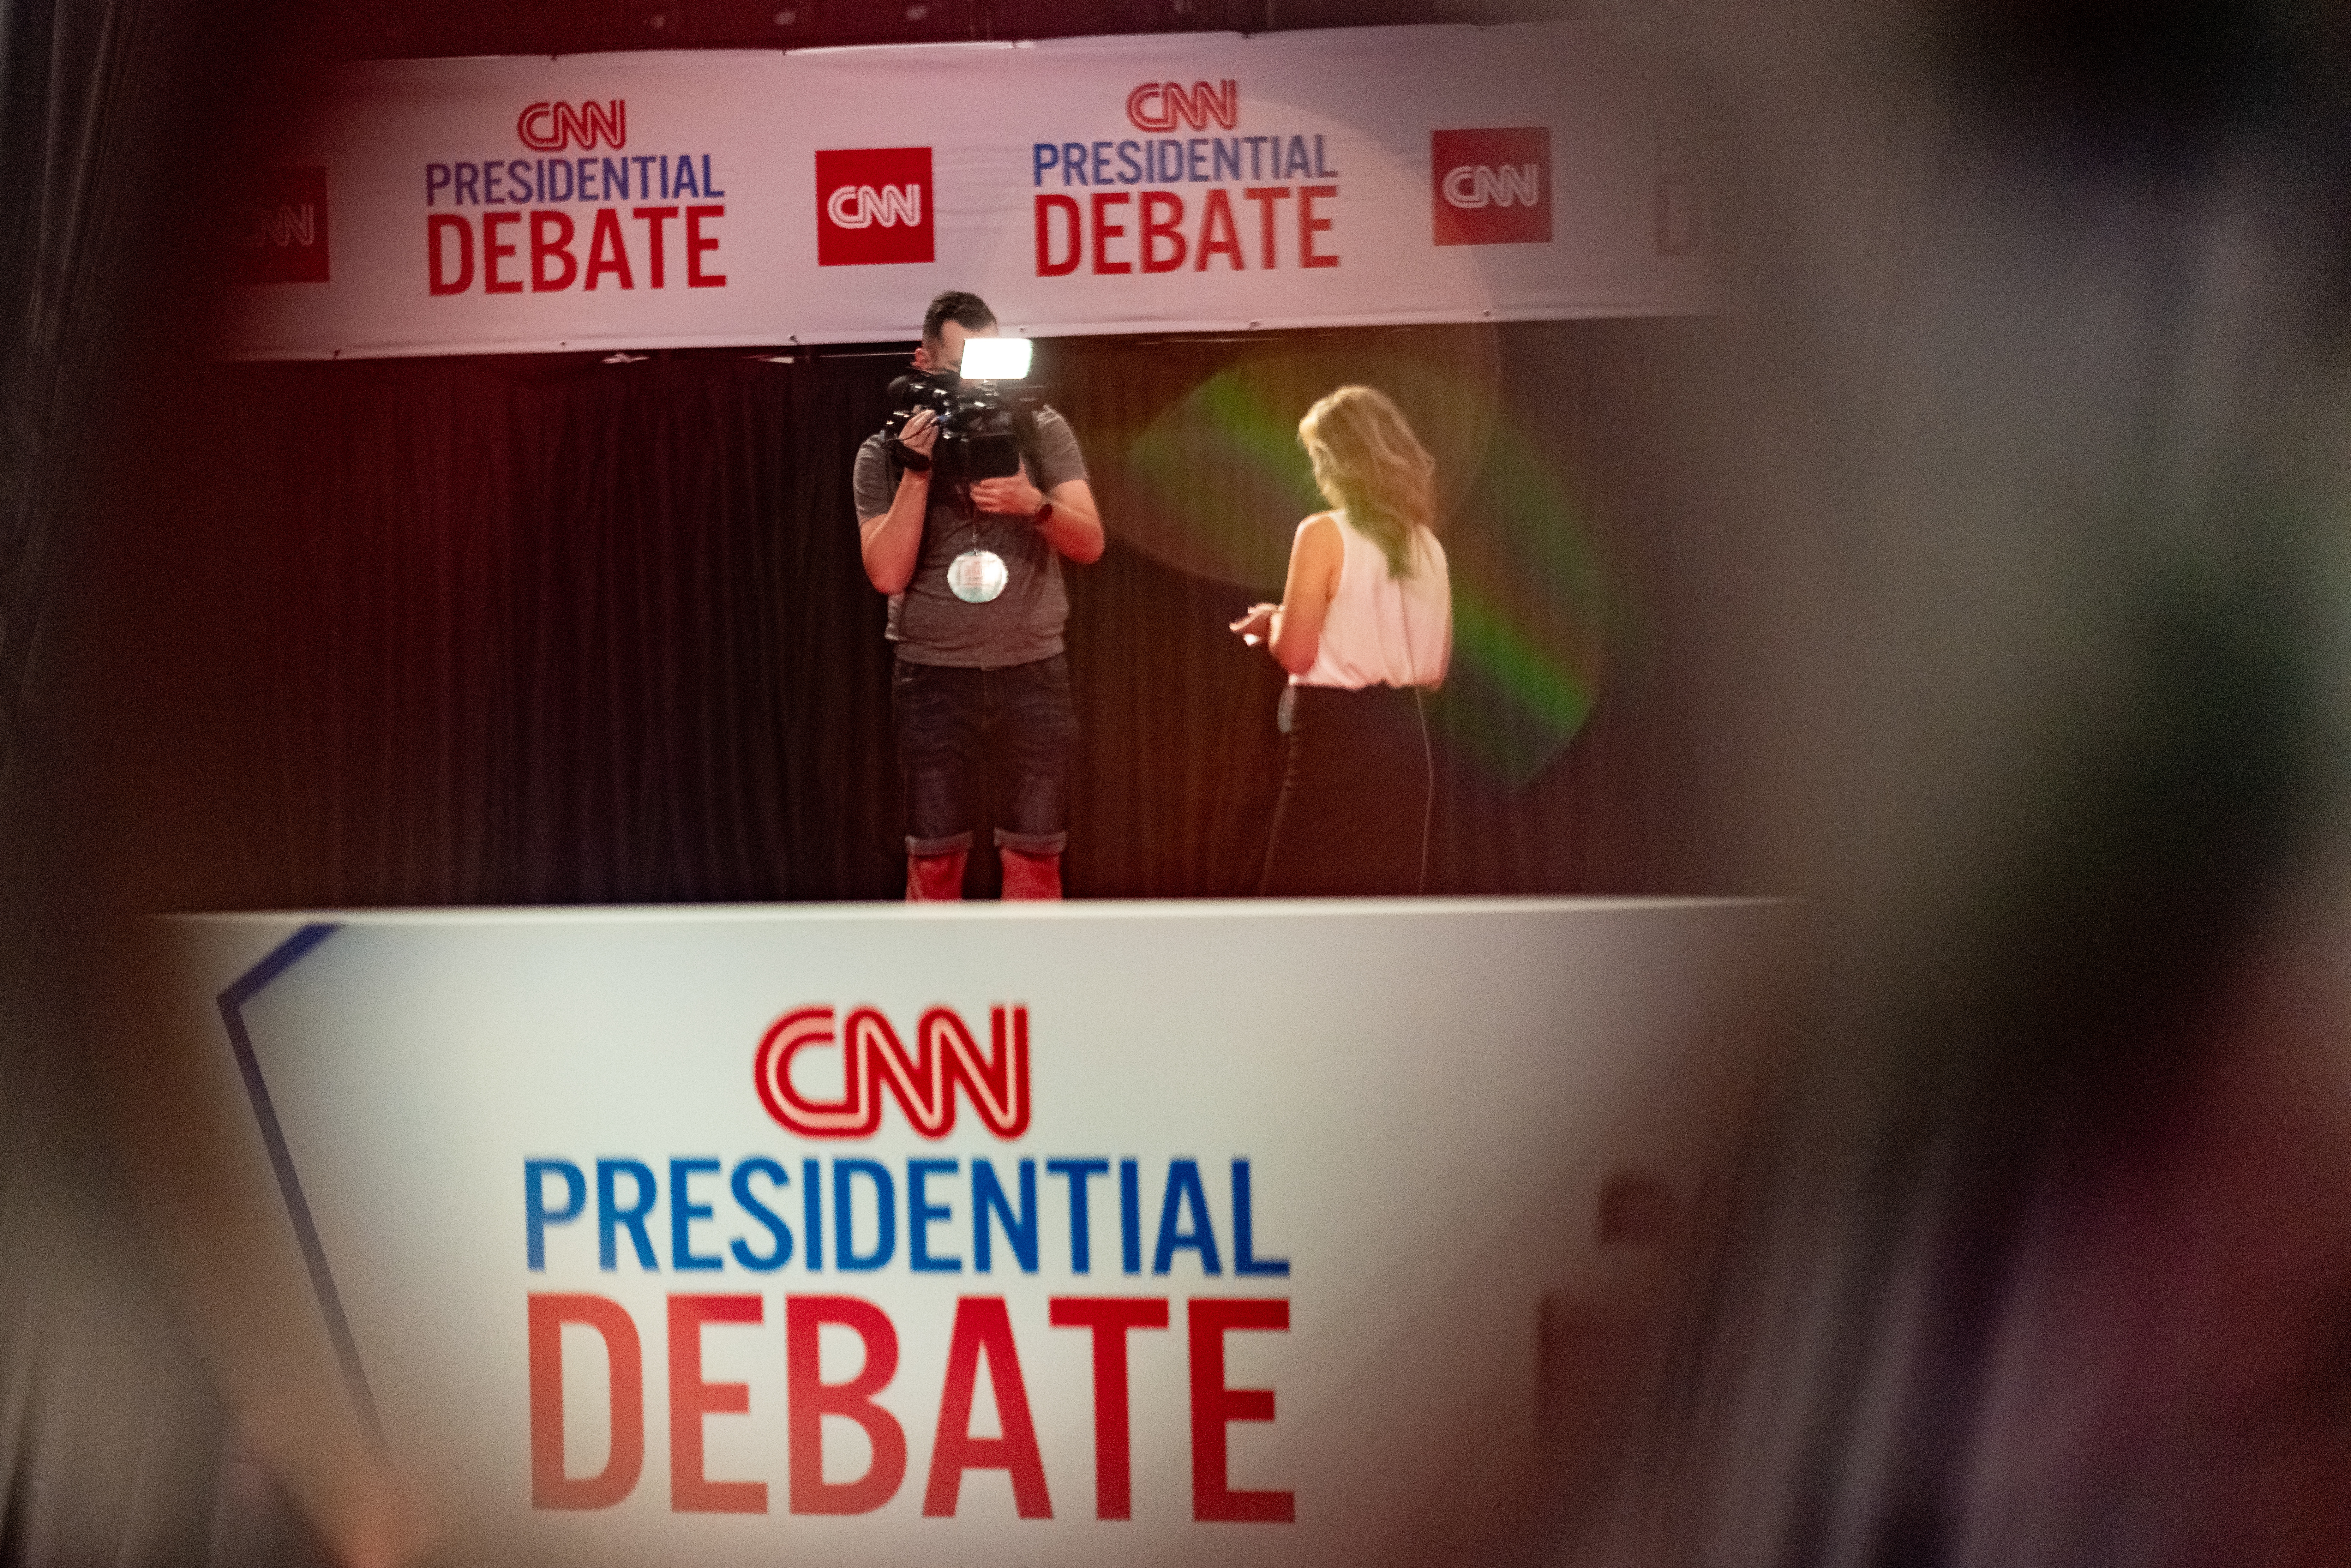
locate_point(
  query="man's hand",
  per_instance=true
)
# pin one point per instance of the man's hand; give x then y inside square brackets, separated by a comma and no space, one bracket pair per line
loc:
[921,433]
[1072,527]
[1012,496]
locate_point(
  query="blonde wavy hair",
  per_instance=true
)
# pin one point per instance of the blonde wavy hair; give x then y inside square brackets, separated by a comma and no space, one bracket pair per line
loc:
[1369,463]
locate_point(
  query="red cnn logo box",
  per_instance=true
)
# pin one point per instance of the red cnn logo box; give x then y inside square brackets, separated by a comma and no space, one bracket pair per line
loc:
[280,231]
[874,207]
[1493,187]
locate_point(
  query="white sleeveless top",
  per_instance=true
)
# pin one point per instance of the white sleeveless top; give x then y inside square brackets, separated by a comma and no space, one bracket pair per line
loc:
[1383,629]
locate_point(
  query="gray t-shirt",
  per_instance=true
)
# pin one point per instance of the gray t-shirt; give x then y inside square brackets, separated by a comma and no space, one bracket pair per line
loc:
[1018,627]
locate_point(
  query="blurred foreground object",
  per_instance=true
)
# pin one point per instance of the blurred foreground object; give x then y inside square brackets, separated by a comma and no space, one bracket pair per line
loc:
[2026,458]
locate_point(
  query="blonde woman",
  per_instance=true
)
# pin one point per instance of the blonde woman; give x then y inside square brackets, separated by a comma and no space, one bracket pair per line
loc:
[1365,628]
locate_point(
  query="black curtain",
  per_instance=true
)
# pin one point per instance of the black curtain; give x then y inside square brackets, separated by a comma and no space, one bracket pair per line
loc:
[560,629]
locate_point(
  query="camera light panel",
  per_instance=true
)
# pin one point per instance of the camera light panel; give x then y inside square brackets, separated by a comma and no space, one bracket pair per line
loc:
[996,359]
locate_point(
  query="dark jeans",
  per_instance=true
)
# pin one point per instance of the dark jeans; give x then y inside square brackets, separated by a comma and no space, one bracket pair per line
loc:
[1354,815]
[956,725]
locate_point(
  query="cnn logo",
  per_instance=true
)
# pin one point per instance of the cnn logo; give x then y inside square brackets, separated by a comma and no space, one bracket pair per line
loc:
[924,1080]
[874,206]
[552,127]
[1474,185]
[1159,106]
[280,232]
[857,206]
[1493,187]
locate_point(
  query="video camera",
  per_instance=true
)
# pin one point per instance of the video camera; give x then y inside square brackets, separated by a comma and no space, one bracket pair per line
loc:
[983,431]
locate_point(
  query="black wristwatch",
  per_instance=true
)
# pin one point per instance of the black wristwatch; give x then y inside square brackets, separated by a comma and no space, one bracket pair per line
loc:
[1043,514]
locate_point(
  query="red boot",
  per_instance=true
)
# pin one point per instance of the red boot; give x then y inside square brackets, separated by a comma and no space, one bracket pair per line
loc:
[935,879]
[1030,877]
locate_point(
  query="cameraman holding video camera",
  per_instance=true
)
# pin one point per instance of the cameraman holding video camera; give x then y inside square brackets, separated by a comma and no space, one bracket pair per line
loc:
[965,510]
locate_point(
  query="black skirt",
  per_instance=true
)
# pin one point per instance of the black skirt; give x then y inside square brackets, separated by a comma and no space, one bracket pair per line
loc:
[1357,794]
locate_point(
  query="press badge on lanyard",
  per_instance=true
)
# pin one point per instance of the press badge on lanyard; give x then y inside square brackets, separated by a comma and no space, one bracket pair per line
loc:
[978,575]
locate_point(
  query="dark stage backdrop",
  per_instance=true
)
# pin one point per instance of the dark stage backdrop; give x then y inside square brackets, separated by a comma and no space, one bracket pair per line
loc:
[553,629]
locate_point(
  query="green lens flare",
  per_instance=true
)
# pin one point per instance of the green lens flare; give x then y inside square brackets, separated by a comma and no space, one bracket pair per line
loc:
[1534,615]
[1227,526]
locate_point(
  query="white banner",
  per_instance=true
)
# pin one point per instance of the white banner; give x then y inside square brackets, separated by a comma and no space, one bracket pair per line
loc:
[1166,1234]
[1120,184]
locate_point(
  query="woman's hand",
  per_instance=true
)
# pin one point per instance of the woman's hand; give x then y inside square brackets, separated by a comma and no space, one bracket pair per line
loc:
[1255,625]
